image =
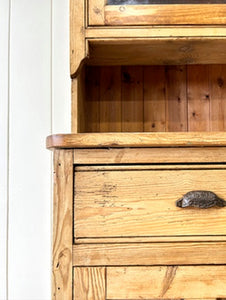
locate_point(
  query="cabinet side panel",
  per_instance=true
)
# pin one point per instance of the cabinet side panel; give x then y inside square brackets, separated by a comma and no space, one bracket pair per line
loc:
[62,225]
[89,283]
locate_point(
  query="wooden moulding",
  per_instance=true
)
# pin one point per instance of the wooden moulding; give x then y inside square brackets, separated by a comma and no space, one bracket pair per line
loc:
[157,51]
[187,253]
[165,14]
[136,140]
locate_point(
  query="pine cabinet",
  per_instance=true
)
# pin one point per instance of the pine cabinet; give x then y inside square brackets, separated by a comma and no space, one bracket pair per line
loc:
[139,184]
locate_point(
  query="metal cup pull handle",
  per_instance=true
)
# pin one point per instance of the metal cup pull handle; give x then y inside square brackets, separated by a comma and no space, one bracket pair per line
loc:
[200,199]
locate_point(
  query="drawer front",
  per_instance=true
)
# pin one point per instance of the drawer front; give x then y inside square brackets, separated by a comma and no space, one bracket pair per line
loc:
[140,201]
[163,282]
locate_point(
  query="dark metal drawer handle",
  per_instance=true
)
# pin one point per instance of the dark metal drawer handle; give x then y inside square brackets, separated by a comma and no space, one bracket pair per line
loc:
[201,199]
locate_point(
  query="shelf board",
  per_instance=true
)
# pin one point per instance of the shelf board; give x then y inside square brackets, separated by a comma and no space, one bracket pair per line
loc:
[136,140]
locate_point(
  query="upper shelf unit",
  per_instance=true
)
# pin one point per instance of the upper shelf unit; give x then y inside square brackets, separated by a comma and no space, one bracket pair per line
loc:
[155,12]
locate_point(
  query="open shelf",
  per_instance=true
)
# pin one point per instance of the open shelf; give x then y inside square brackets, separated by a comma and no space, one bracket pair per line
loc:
[185,98]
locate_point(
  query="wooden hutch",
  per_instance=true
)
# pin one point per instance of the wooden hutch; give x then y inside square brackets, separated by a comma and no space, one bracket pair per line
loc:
[148,126]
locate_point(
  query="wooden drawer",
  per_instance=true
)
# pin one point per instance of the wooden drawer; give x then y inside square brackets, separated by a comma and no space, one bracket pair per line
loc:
[162,282]
[139,201]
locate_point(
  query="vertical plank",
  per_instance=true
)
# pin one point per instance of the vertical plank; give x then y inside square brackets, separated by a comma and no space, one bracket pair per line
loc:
[218,97]
[154,99]
[62,225]
[198,98]
[29,254]
[92,100]
[110,99]
[61,83]
[77,34]
[176,102]
[4,136]
[132,99]
[89,283]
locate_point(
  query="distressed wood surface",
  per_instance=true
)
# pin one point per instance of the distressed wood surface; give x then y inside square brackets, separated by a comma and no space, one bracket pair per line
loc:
[132,99]
[150,155]
[89,284]
[77,35]
[139,203]
[198,98]
[176,95]
[188,253]
[136,140]
[166,282]
[110,99]
[150,99]
[62,225]
[154,99]
[152,51]
[165,14]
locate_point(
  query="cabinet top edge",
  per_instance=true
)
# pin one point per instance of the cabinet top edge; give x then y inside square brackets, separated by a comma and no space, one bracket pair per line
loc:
[135,140]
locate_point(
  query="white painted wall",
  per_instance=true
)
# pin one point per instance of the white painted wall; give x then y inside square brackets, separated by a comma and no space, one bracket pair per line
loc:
[34,102]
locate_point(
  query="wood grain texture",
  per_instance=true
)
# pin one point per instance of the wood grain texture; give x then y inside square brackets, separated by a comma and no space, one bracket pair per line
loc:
[150,155]
[132,99]
[154,99]
[96,12]
[62,225]
[176,98]
[89,284]
[92,101]
[188,253]
[128,202]
[198,98]
[77,35]
[217,79]
[110,99]
[152,51]
[170,282]
[165,14]
[136,140]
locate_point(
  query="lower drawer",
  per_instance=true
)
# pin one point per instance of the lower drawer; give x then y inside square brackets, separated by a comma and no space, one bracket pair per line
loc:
[162,282]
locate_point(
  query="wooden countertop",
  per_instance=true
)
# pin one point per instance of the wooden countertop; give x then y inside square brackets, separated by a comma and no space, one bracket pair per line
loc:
[147,139]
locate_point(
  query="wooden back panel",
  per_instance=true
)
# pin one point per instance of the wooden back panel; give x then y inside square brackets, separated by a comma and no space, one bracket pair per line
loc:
[151,99]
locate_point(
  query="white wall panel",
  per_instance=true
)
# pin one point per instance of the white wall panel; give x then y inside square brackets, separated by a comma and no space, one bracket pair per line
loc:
[30,163]
[4,50]
[61,68]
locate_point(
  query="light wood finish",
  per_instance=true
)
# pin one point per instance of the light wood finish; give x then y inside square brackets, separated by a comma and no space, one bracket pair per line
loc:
[132,99]
[125,202]
[92,100]
[62,225]
[78,109]
[176,95]
[96,12]
[149,254]
[154,99]
[152,51]
[217,79]
[150,155]
[110,99]
[166,282]
[136,140]
[150,239]
[165,14]
[89,284]
[157,32]
[77,32]
[198,98]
